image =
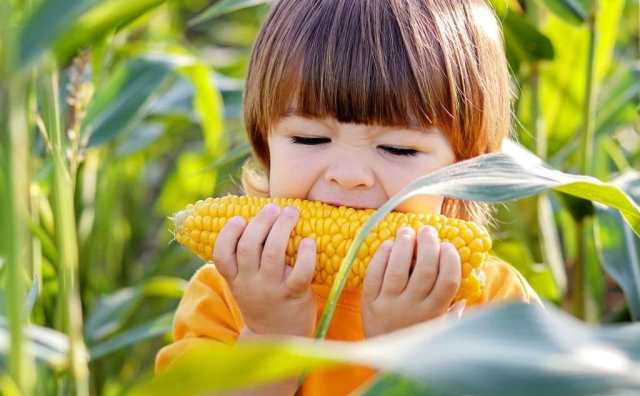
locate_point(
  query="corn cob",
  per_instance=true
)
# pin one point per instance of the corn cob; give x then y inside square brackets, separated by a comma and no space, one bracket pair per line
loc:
[333,229]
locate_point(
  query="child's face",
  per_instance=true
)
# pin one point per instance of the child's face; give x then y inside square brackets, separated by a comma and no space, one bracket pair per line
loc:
[355,165]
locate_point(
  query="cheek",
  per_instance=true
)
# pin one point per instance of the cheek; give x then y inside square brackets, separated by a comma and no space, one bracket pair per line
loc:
[291,174]
[397,178]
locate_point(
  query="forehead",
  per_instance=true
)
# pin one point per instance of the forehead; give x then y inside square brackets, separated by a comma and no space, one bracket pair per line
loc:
[294,119]
[293,113]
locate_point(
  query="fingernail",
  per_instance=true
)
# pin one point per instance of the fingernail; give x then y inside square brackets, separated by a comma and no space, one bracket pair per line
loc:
[271,209]
[237,220]
[290,211]
[431,231]
[307,242]
[386,246]
[406,231]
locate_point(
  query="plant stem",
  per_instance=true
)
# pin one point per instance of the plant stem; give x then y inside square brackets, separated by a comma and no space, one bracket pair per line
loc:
[586,157]
[15,248]
[589,101]
[66,233]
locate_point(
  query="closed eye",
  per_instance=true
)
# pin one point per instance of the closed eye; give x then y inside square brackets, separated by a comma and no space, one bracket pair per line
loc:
[309,141]
[399,151]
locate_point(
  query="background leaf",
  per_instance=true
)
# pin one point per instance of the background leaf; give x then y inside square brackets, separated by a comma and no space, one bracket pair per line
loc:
[452,357]
[122,100]
[619,247]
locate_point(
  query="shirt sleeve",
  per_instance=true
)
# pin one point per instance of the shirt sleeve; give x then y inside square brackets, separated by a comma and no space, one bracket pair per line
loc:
[506,284]
[207,311]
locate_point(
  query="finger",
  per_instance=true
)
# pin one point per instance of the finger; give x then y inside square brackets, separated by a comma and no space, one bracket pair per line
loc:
[375,272]
[224,249]
[249,249]
[275,248]
[425,272]
[397,273]
[448,280]
[300,276]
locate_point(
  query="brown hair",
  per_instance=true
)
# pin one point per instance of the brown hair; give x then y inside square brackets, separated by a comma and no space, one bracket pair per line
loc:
[437,63]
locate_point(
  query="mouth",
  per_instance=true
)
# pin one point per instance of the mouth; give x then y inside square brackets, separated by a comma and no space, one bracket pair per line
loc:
[345,203]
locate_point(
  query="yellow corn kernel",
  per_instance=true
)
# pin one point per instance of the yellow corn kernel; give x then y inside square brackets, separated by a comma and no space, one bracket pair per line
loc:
[333,229]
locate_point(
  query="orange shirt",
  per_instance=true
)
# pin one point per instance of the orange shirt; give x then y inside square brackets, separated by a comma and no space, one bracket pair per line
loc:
[208,310]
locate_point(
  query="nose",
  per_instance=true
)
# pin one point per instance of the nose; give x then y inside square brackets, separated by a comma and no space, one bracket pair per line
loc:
[350,174]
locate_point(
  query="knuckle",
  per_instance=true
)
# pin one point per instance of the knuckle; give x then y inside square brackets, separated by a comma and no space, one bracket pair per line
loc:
[451,283]
[429,273]
[270,254]
[243,249]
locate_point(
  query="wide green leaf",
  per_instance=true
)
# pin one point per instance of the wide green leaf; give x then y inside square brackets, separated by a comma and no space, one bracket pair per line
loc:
[98,22]
[224,7]
[207,103]
[535,352]
[114,310]
[619,247]
[133,336]
[48,346]
[523,40]
[562,80]
[619,99]
[573,11]
[121,101]
[46,23]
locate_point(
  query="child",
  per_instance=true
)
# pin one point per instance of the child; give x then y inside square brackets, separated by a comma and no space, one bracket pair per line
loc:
[346,102]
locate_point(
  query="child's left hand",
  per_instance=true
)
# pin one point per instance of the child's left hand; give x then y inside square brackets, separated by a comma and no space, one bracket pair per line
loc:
[395,296]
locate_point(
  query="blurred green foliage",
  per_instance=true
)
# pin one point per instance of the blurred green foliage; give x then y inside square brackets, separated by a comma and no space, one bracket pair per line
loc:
[150,100]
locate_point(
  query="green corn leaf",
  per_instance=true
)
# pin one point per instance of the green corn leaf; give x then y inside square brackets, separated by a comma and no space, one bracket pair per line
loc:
[535,351]
[151,329]
[98,22]
[523,40]
[224,7]
[618,247]
[121,101]
[48,346]
[572,11]
[50,19]
[114,310]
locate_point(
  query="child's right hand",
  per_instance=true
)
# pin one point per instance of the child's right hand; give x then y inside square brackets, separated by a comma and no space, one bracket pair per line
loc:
[273,297]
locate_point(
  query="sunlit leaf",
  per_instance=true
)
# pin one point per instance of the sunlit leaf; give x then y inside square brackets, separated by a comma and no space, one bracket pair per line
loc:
[48,346]
[151,329]
[121,101]
[207,103]
[98,21]
[190,180]
[563,81]
[573,11]
[535,351]
[114,310]
[619,99]
[523,40]
[224,7]
[46,23]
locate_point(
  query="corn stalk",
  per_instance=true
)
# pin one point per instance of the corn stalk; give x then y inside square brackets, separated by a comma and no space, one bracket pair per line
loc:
[586,165]
[15,247]
[66,233]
